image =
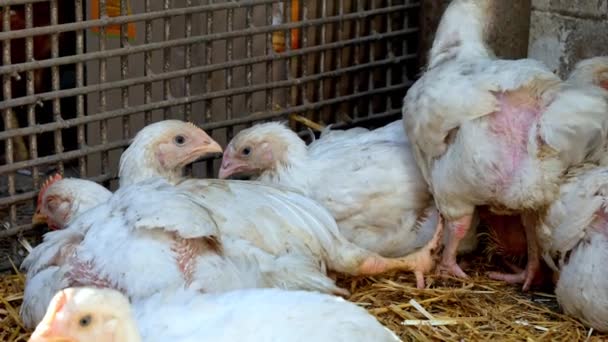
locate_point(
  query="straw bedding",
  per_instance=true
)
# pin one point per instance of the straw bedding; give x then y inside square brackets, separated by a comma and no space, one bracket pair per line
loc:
[477,309]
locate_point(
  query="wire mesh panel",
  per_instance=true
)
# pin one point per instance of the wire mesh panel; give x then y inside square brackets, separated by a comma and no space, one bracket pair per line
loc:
[80,78]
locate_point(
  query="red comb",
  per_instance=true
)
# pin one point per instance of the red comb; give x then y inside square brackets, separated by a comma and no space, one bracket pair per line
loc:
[52,179]
[604,84]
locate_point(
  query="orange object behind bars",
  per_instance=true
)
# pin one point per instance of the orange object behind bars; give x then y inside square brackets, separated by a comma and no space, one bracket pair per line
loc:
[278,37]
[113,10]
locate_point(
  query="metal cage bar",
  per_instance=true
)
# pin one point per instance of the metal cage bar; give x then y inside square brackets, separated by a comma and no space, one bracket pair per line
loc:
[331,70]
[8,115]
[207,76]
[80,99]
[30,89]
[103,70]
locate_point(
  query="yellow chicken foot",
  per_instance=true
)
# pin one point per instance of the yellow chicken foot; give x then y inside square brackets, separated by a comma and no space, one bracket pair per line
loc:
[532,270]
[420,262]
[457,230]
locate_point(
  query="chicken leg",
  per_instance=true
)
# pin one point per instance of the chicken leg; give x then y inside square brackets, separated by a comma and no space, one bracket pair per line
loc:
[532,269]
[420,262]
[457,230]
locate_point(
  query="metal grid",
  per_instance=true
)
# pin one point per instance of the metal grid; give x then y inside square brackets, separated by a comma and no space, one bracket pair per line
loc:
[222,64]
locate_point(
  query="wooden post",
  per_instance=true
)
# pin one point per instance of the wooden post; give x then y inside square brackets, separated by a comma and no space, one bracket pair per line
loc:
[509,29]
[430,14]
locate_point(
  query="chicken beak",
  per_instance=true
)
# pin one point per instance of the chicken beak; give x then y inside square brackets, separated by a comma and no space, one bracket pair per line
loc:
[213,148]
[210,148]
[51,328]
[230,166]
[38,219]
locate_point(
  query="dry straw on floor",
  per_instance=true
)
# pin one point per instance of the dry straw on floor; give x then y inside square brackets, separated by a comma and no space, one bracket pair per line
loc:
[477,309]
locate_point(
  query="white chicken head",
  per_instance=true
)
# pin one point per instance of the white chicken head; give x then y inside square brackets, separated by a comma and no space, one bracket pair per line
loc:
[261,148]
[61,200]
[591,71]
[163,149]
[86,314]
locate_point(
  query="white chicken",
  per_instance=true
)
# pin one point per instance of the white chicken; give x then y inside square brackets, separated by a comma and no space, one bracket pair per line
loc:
[292,236]
[573,234]
[148,237]
[166,147]
[60,201]
[354,174]
[89,314]
[495,132]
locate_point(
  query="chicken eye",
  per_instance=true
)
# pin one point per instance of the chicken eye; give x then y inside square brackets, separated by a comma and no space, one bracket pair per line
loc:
[85,321]
[179,139]
[246,151]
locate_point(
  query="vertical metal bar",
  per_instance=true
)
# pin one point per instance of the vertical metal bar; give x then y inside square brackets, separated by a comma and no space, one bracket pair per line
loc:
[404,42]
[30,90]
[249,52]
[288,71]
[188,65]
[323,52]
[166,58]
[124,69]
[303,88]
[342,78]
[103,67]
[391,54]
[208,60]
[8,113]
[188,77]
[269,50]
[345,83]
[147,64]
[55,83]
[208,85]
[228,72]
[372,58]
[359,51]
[312,60]
[80,83]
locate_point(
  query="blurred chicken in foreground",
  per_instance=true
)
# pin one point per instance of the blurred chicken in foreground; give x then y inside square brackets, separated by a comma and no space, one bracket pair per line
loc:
[89,314]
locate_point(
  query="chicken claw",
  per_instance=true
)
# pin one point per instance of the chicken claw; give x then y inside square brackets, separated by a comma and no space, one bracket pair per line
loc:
[457,229]
[532,270]
[420,262]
